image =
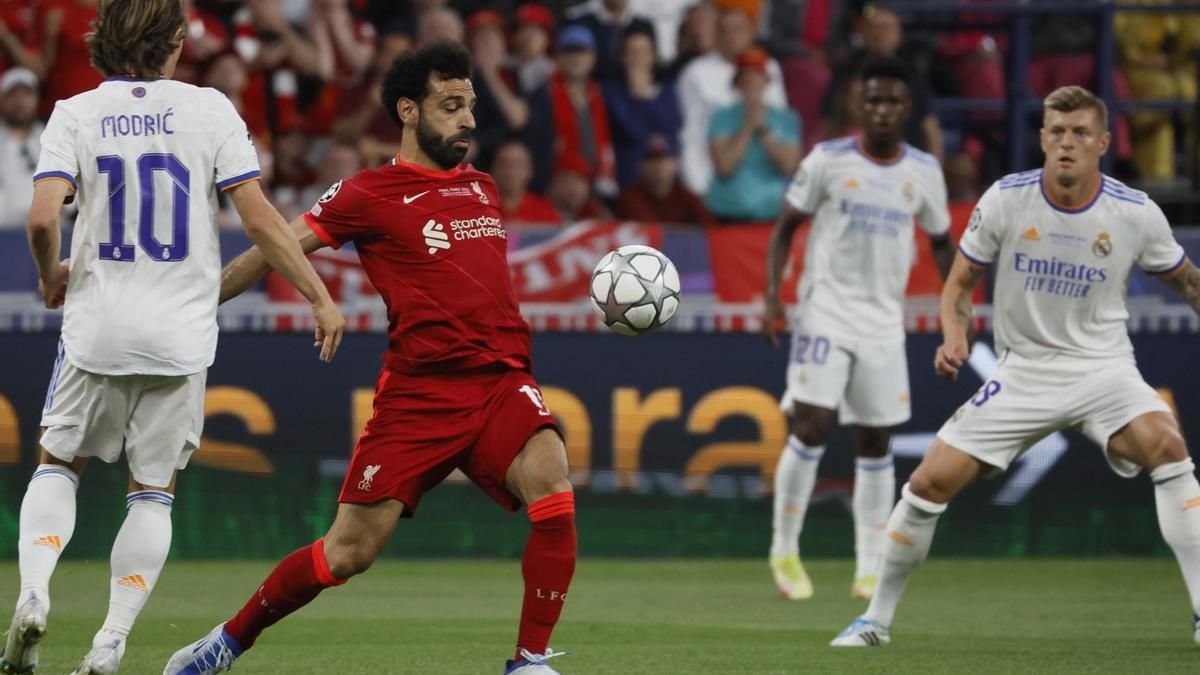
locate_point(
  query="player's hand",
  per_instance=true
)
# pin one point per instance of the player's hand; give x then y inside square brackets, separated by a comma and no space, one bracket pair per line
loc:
[772,314]
[951,356]
[54,288]
[330,327]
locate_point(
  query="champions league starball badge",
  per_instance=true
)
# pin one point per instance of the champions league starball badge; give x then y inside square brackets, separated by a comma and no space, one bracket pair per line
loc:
[976,219]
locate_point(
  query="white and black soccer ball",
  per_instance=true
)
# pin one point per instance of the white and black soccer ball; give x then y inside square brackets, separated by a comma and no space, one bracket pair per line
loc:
[635,290]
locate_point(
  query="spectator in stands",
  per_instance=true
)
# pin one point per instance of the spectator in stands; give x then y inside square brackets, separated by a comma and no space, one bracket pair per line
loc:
[513,169]
[340,161]
[500,111]
[19,36]
[697,36]
[531,43]
[755,148]
[206,37]
[639,103]
[582,137]
[361,119]
[847,117]
[706,85]
[882,36]
[1154,69]
[293,173]
[962,179]
[20,145]
[571,192]
[440,23]
[658,195]
[227,73]
[607,20]
[66,63]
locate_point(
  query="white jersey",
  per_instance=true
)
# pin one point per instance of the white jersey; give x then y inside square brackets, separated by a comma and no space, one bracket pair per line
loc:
[1062,273]
[146,158]
[860,248]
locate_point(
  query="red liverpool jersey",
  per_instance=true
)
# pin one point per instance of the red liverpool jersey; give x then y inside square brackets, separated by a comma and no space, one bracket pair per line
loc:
[433,244]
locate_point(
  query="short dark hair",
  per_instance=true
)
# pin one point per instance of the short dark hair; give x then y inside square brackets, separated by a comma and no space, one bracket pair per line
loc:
[408,76]
[886,67]
[135,37]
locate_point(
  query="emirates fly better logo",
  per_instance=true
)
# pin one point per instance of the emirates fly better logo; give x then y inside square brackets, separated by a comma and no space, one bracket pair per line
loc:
[435,236]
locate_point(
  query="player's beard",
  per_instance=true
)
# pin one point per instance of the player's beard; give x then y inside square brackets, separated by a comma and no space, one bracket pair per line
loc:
[441,150]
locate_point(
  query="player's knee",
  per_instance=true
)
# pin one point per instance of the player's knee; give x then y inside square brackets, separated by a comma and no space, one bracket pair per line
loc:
[542,481]
[872,442]
[928,487]
[348,557]
[1168,448]
[811,428]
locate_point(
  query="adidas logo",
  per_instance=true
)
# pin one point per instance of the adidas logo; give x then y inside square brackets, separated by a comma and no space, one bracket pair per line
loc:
[134,581]
[1031,234]
[900,539]
[435,237]
[52,542]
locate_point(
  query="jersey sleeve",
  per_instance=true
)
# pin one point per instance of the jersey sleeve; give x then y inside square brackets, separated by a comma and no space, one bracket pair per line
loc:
[934,214]
[58,159]
[981,242]
[236,160]
[339,215]
[1160,253]
[806,190]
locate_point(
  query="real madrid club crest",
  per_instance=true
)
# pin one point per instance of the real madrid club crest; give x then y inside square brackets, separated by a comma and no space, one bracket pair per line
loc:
[907,191]
[1103,246]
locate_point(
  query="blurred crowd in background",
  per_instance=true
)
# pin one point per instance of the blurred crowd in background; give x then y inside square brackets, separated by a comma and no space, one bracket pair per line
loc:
[605,107]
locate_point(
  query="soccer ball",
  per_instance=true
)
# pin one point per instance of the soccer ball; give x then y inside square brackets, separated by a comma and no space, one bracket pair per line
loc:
[635,290]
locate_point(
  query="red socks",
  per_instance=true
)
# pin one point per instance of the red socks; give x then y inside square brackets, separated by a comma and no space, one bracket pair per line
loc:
[547,567]
[294,583]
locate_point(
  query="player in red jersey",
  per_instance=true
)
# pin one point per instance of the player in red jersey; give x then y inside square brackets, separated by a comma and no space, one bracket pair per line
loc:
[456,389]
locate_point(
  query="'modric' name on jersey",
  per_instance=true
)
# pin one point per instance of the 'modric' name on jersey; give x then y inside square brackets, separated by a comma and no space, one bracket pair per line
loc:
[1062,273]
[433,245]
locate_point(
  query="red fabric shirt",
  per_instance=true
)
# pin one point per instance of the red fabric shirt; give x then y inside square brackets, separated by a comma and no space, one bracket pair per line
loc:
[72,72]
[532,209]
[19,17]
[679,206]
[433,244]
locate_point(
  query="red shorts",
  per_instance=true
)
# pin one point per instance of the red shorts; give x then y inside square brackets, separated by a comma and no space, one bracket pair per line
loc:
[425,426]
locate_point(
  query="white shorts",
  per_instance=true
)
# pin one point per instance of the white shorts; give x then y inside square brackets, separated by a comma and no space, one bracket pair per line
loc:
[1026,401]
[866,382]
[155,419]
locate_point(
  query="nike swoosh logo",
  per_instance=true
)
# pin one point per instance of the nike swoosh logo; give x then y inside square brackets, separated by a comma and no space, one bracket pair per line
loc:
[409,200]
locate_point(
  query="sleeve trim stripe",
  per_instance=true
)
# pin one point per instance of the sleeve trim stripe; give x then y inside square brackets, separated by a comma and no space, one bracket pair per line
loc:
[1170,269]
[56,175]
[974,261]
[315,226]
[235,181]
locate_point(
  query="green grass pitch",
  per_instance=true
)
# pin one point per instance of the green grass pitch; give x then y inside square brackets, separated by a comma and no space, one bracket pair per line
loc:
[676,616]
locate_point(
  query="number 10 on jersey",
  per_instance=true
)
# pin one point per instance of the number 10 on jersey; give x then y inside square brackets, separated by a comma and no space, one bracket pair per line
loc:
[116,249]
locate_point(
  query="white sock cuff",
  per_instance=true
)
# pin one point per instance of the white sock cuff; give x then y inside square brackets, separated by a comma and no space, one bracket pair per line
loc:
[805,452]
[51,470]
[921,503]
[1166,472]
[874,463]
[158,497]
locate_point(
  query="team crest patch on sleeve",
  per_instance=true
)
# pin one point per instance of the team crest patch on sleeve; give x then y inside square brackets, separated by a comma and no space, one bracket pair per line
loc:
[330,193]
[976,219]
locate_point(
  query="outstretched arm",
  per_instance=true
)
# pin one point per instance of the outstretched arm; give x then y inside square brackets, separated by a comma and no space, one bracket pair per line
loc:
[956,315]
[777,257]
[1185,281]
[248,268]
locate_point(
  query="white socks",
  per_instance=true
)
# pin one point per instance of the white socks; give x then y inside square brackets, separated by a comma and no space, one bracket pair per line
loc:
[1177,497]
[874,495]
[47,523]
[138,555]
[795,476]
[909,534]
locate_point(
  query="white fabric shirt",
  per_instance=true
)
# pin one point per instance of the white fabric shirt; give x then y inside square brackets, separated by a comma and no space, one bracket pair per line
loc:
[146,159]
[18,159]
[1062,274]
[860,248]
[705,86]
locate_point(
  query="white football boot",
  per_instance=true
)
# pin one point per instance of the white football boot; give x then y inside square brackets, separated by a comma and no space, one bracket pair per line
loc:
[104,659]
[863,633]
[532,664]
[27,630]
[790,578]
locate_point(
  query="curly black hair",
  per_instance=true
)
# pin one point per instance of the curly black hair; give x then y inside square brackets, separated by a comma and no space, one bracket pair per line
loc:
[408,76]
[886,67]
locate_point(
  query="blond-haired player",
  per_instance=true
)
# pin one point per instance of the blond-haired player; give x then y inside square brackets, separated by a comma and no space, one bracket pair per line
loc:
[1063,241]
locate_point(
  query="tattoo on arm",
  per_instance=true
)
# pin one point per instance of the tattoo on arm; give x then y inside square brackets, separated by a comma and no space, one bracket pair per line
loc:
[1186,282]
[962,307]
